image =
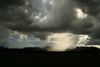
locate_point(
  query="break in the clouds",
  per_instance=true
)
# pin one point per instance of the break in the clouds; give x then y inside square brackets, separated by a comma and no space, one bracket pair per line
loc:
[80,17]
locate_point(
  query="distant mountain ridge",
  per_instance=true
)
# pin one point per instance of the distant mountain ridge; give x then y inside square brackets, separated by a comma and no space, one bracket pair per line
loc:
[85,49]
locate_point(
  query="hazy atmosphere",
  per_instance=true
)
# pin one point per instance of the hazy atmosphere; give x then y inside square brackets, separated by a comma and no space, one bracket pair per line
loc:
[61,24]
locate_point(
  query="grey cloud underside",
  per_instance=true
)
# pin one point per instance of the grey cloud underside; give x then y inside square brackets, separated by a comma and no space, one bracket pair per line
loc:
[3,36]
[62,18]
[16,13]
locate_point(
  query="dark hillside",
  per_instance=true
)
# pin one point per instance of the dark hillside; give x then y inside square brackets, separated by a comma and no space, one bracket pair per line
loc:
[81,56]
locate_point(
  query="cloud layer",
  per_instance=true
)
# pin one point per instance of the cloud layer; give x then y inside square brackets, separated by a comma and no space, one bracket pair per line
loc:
[18,16]
[61,19]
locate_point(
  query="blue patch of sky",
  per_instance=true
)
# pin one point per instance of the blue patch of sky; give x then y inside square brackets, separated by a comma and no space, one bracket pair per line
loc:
[45,8]
[29,42]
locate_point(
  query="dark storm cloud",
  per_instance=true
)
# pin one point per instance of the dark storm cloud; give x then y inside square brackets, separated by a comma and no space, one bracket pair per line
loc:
[92,8]
[95,33]
[93,41]
[63,19]
[42,35]
[60,20]
[5,3]
[17,15]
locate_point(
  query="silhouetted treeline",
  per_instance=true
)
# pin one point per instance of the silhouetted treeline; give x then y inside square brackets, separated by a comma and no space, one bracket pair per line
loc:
[38,49]
[26,49]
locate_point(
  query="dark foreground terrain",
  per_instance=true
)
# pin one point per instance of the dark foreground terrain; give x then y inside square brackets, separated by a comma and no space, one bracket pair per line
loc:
[81,56]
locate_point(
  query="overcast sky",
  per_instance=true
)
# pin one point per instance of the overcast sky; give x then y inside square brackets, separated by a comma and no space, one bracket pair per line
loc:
[62,24]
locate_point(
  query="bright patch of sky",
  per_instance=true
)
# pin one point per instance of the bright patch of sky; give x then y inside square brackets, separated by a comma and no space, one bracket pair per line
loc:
[21,41]
[45,7]
[63,41]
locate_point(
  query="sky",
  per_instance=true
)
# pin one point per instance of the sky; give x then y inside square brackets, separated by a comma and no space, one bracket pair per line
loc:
[61,24]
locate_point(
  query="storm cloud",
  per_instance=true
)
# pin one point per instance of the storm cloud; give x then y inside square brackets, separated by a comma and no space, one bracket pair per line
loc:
[14,14]
[18,16]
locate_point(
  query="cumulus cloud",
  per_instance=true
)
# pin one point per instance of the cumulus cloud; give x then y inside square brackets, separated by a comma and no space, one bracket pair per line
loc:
[21,36]
[62,42]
